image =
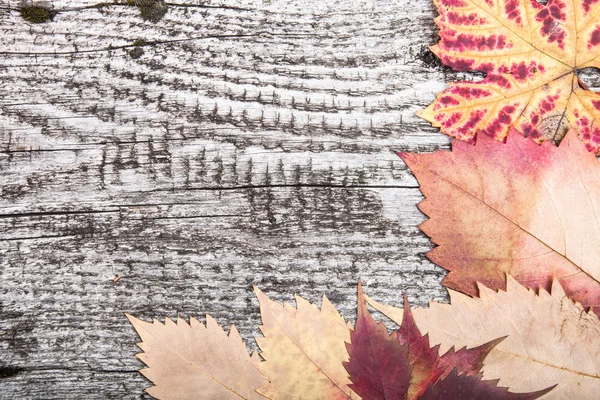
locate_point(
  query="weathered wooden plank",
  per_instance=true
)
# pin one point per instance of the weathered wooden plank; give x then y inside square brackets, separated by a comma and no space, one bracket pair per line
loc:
[60,384]
[228,144]
[240,144]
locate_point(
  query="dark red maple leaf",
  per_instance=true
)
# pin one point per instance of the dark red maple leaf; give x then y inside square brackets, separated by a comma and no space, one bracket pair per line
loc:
[427,365]
[466,361]
[472,387]
[378,366]
[402,365]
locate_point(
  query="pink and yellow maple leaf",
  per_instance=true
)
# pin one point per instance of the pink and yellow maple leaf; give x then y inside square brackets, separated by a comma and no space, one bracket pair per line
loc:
[530,53]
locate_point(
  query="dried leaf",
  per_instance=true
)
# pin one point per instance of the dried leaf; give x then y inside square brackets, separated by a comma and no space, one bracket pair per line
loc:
[465,361]
[424,359]
[402,365]
[550,339]
[427,365]
[519,208]
[530,53]
[196,362]
[304,349]
[378,366]
[457,386]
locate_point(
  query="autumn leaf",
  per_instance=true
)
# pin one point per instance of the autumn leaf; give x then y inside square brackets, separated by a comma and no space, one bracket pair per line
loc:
[423,359]
[304,349]
[519,208]
[530,53]
[379,365]
[465,361]
[427,365]
[457,386]
[191,361]
[549,338]
[401,365]
[305,355]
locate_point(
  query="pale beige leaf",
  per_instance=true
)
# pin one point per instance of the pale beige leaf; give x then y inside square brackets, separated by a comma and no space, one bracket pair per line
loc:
[304,349]
[551,340]
[196,362]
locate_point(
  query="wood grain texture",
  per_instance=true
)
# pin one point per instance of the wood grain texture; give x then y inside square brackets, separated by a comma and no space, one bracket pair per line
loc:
[227,144]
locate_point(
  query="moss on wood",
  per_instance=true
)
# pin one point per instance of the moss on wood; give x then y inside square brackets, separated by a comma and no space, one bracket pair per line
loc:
[36,14]
[150,10]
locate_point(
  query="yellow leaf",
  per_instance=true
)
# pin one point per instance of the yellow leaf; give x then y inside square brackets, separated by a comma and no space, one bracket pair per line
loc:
[304,349]
[196,362]
[550,339]
[530,53]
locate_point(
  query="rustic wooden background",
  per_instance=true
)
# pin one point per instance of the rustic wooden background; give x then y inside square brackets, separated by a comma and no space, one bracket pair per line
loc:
[162,166]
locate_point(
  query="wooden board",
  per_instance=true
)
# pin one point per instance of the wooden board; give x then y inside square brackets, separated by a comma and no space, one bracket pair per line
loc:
[162,168]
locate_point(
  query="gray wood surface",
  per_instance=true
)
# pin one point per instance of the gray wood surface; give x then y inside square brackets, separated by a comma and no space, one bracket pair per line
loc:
[227,144]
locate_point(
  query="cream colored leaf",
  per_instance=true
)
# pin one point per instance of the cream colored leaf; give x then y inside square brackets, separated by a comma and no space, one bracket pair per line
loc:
[196,362]
[551,340]
[304,349]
